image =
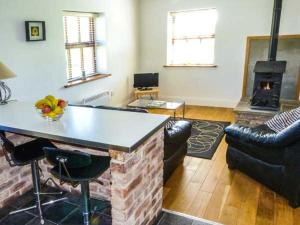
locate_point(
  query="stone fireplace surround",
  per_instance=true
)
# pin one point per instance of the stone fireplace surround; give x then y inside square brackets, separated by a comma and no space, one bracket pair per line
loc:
[244,114]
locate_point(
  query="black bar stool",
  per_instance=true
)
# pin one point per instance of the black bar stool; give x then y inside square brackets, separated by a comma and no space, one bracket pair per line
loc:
[76,168]
[25,154]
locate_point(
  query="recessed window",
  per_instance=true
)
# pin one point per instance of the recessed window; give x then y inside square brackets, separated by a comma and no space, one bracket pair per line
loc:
[85,44]
[191,37]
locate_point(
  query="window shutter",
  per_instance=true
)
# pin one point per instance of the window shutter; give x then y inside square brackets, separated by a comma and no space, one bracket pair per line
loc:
[80,44]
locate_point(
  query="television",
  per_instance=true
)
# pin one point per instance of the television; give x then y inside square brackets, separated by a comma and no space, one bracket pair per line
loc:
[145,80]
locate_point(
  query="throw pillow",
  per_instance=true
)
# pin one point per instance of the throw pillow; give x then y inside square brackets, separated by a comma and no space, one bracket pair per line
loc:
[283,120]
[170,124]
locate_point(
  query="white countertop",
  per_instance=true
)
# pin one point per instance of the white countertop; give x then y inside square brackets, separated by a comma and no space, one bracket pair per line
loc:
[96,128]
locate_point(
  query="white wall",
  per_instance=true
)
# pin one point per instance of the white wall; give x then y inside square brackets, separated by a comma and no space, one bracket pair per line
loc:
[41,66]
[221,86]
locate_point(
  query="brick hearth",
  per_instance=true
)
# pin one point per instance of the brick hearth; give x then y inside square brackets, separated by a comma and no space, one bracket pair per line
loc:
[245,115]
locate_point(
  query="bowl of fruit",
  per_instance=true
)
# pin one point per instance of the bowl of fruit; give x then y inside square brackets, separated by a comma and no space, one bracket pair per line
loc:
[51,108]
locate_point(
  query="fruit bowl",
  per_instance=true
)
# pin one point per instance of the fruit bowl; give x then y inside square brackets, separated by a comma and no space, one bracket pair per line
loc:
[50,117]
[51,108]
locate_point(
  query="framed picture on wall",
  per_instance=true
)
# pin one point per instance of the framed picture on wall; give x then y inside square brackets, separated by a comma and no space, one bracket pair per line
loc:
[35,30]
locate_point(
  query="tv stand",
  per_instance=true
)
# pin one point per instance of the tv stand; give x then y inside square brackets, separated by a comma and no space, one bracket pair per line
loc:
[152,92]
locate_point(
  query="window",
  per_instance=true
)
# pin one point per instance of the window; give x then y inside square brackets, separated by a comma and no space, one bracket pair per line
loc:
[191,37]
[83,45]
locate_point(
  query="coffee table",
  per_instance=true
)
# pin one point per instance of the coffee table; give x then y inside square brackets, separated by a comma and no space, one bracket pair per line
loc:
[171,105]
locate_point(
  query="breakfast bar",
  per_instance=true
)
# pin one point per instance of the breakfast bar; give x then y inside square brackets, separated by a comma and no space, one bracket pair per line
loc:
[134,141]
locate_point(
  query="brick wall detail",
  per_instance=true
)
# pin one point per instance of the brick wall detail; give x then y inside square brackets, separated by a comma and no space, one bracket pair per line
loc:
[137,183]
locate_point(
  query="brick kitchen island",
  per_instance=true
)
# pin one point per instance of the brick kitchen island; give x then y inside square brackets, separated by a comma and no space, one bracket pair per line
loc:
[134,182]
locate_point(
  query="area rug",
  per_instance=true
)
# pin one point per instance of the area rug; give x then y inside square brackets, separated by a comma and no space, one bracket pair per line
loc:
[175,218]
[206,137]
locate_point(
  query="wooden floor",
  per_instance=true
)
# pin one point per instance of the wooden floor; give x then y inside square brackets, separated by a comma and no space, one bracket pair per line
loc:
[208,189]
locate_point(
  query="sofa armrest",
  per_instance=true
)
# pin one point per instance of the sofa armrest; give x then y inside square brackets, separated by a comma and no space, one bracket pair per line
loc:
[178,133]
[264,136]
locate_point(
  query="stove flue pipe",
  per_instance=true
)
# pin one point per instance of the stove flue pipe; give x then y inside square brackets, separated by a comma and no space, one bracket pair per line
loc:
[275,30]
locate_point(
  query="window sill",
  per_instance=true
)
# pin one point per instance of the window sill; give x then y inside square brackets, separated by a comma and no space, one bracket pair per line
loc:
[88,79]
[192,65]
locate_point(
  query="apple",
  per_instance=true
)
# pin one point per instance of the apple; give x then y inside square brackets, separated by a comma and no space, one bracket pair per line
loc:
[46,109]
[61,103]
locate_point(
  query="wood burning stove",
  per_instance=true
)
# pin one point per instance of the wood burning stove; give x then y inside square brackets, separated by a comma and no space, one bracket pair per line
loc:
[268,74]
[267,84]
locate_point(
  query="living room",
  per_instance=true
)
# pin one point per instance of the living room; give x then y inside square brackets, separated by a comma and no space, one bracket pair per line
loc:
[204,59]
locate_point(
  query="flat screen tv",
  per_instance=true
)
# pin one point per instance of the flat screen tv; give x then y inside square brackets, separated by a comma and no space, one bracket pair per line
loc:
[145,80]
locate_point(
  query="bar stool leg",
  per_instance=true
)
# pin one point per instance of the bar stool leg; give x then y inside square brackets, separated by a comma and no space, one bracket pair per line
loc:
[37,188]
[86,206]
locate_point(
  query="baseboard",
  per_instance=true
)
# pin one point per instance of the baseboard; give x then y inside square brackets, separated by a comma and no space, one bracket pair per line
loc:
[226,103]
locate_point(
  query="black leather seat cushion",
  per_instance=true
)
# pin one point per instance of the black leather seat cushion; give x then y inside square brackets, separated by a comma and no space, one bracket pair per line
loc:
[33,150]
[73,159]
[99,164]
[175,135]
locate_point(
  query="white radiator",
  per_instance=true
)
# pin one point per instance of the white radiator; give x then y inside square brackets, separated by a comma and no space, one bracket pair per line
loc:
[102,98]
